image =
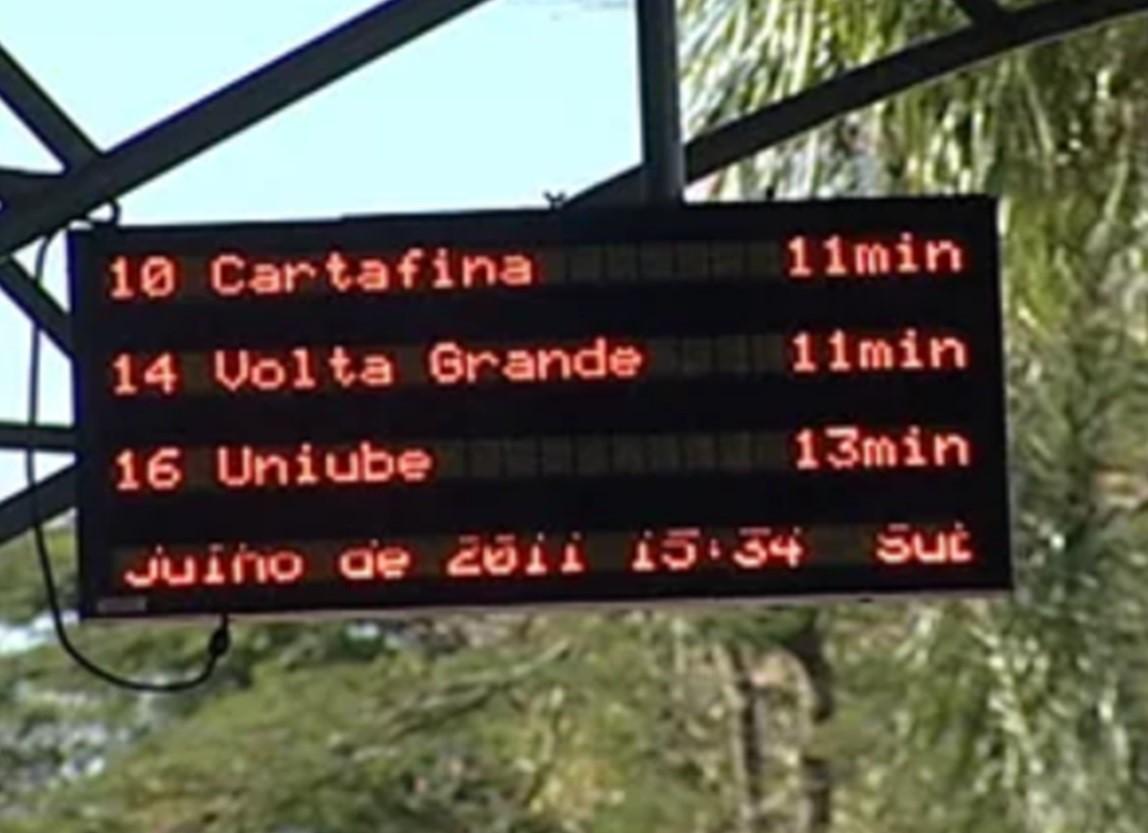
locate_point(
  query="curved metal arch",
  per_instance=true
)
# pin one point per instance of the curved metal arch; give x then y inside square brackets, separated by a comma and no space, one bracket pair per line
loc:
[92,180]
[911,67]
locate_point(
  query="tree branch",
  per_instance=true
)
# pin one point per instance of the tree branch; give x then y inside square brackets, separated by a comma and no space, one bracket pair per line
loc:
[807,646]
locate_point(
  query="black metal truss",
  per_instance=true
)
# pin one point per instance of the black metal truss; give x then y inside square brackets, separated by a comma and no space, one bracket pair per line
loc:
[93,178]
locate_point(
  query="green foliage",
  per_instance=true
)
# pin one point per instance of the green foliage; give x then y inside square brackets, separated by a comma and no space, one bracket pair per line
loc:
[567,723]
[1023,716]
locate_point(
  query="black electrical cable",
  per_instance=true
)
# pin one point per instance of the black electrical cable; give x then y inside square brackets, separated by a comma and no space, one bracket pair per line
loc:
[218,643]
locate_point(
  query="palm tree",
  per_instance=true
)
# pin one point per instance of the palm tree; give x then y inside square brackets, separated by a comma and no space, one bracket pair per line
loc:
[1011,716]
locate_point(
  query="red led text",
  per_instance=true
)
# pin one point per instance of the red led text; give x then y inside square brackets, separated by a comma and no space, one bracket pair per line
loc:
[899,544]
[133,375]
[153,278]
[218,566]
[850,447]
[160,470]
[247,467]
[683,550]
[449,363]
[374,562]
[841,257]
[511,555]
[300,369]
[841,351]
[232,274]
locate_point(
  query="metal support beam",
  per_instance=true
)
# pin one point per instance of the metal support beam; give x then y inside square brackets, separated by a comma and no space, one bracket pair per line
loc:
[63,137]
[866,85]
[36,303]
[19,435]
[663,159]
[42,116]
[54,495]
[16,184]
[228,111]
[983,11]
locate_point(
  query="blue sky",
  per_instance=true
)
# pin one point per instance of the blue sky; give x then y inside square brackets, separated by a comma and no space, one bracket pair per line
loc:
[513,99]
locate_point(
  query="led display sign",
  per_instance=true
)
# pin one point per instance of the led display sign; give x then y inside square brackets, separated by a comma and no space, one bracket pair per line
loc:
[745,401]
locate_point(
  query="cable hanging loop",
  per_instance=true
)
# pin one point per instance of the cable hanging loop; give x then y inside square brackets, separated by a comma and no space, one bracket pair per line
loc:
[218,643]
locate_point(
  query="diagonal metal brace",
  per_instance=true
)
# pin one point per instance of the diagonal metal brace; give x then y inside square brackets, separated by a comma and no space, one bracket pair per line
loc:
[42,115]
[36,303]
[50,498]
[64,138]
[17,184]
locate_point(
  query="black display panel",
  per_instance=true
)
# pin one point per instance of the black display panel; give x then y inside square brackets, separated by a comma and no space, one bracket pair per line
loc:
[744,401]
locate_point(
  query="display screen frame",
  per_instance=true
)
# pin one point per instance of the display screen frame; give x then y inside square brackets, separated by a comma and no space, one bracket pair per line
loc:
[969,301]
